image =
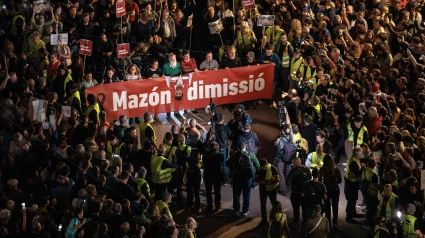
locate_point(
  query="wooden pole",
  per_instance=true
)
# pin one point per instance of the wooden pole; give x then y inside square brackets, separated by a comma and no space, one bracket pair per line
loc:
[84,68]
[262,38]
[221,39]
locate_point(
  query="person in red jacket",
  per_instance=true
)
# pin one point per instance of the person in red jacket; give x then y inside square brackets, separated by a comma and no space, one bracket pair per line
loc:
[132,10]
[375,121]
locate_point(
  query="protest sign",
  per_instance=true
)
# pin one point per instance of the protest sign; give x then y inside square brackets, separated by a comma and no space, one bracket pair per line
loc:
[123,50]
[86,47]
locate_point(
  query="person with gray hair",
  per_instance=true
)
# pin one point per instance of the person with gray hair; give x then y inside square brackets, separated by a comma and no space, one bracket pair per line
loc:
[142,184]
[411,225]
[353,176]
[375,121]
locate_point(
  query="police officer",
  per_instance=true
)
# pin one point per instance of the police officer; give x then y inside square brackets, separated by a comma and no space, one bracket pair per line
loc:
[353,173]
[161,172]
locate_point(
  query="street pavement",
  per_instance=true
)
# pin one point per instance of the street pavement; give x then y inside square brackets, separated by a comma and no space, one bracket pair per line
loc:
[224,224]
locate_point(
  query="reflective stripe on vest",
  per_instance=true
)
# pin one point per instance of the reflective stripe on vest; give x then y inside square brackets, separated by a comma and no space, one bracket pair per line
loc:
[90,109]
[161,205]
[295,65]
[350,175]
[142,126]
[269,177]
[409,226]
[359,138]
[389,207]
[140,183]
[159,175]
[285,56]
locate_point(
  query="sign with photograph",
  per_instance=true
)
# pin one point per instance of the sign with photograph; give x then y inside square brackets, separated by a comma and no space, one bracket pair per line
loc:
[266,20]
[59,39]
[216,26]
[123,50]
[120,8]
[41,6]
[86,47]
[248,4]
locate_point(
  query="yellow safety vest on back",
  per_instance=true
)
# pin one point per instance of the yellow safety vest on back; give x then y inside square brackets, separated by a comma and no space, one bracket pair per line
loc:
[269,177]
[273,36]
[161,205]
[110,151]
[389,207]
[168,150]
[140,183]
[409,226]
[90,109]
[359,139]
[368,174]
[349,175]
[76,94]
[142,126]
[159,176]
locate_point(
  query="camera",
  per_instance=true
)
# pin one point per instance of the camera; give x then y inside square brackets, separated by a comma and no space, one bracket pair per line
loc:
[305,88]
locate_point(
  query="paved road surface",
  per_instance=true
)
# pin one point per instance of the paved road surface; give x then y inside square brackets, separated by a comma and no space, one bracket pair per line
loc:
[224,224]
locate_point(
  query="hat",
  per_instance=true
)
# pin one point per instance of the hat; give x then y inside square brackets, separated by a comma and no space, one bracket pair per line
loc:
[82,192]
[13,182]
[375,87]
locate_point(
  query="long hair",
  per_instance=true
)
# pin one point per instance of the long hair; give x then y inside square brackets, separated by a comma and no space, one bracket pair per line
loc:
[328,165]
[277,208]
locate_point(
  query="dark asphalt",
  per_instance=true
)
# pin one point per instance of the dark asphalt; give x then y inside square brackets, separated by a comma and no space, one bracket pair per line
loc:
[224,224]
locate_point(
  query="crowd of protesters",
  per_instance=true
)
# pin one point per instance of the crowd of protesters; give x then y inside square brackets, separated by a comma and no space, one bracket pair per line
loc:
[353,82]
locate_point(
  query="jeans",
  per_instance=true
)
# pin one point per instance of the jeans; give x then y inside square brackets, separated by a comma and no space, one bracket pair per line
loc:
[333,200]
[193,191]
[272,195]
[243,187]
[296,204]
[224,169]
[217,194]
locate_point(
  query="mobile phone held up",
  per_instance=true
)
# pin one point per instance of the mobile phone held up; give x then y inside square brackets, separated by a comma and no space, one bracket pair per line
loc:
[60,227]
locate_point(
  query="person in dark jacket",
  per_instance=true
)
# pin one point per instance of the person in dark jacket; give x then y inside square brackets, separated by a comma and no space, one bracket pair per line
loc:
[296,177]
[121,189]
[212,173]
[222,136]
[309,132]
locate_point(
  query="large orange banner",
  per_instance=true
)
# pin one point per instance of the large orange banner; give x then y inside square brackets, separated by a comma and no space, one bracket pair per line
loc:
[168,94]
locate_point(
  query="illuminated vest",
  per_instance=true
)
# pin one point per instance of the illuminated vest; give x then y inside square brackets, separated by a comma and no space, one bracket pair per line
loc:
[90,109]
[269,177]
[389,207]
[142,126]
[349,175]
[315,160]
[161,205]
[359,139]
[245,44]
[297,65]
[409,226]
[159,176]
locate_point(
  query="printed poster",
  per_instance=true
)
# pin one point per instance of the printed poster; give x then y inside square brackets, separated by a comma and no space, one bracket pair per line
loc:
[216,26]
[59,39]
[123,50]
[86,47]
[120,8]
[266,20]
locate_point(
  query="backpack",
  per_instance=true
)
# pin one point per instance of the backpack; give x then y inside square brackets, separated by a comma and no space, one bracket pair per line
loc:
[250,144]
[287,152]
[313,194]
[193,173]
[181,155]
[245,167]
[276,228]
